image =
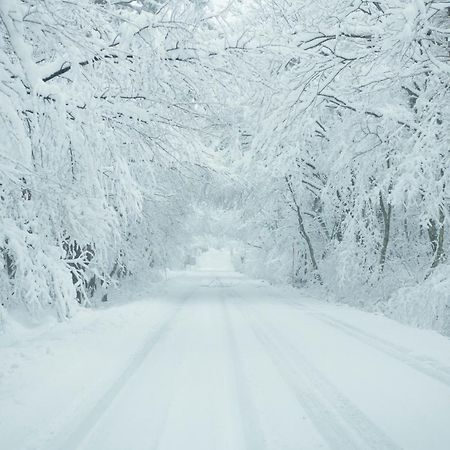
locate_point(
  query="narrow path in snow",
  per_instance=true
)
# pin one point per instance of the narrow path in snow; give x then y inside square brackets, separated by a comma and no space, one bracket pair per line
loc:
[237,364]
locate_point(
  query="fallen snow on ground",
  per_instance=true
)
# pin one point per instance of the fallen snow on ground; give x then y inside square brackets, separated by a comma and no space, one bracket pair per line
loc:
[214,360]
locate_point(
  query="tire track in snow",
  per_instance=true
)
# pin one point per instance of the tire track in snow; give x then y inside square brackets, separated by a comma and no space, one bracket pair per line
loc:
[425,365]
[253,434]
[339,422]
[80,432]
[157,438]
[164,413]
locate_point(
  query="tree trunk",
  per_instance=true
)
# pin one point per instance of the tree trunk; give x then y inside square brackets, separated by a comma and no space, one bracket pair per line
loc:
[303,232]
[387,213]
[436,234]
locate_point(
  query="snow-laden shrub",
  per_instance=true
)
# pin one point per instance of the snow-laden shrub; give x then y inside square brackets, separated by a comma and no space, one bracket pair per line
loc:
[35,274]
[425,304]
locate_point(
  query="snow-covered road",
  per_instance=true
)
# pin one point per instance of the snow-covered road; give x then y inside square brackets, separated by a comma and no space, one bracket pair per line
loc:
[232,363]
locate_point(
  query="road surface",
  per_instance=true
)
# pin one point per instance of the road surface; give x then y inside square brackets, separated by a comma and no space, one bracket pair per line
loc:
[237,364]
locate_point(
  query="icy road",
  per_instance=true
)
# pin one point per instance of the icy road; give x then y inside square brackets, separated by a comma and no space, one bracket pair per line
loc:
[223,362]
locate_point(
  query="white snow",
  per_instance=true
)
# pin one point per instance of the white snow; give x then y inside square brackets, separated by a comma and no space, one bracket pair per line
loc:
[215,360]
